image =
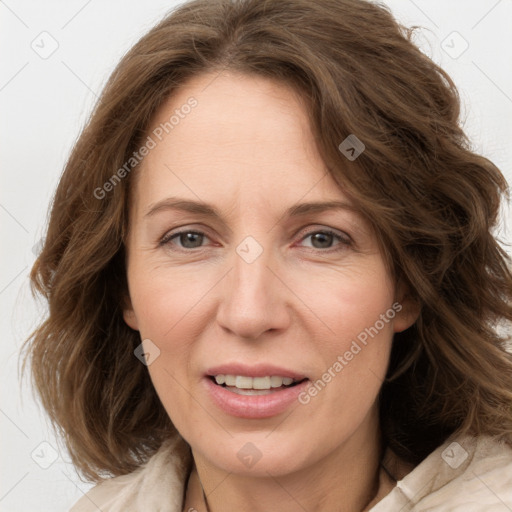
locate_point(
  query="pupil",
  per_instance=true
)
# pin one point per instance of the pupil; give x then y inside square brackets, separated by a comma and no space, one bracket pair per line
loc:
[189,240]
[325,240]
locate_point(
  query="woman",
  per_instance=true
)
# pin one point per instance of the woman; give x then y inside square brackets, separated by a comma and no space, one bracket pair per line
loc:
[272,278]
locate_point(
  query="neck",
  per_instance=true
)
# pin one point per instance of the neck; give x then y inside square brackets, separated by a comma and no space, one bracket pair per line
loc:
[347,479]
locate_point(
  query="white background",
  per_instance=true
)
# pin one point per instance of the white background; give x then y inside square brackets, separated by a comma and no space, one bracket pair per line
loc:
[44,104]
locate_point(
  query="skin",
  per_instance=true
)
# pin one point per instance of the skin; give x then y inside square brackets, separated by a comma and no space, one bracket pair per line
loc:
[247,149]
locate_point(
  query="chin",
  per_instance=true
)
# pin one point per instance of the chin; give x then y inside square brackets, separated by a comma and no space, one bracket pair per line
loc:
[253,455]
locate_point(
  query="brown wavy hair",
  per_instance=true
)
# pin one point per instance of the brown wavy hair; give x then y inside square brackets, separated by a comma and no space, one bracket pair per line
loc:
[432,201]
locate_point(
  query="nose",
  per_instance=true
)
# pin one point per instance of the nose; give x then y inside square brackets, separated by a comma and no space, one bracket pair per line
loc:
[254,299]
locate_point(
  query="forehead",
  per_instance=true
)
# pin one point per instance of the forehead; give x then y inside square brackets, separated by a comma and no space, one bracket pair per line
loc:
[245,138]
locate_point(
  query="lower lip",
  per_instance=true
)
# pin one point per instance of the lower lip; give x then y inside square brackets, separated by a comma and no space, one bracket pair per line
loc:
[253,406]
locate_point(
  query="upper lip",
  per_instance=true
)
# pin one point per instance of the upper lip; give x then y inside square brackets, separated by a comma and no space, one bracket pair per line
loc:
[257,370]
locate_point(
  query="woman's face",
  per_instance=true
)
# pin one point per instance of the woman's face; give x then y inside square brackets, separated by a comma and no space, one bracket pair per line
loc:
[232,276]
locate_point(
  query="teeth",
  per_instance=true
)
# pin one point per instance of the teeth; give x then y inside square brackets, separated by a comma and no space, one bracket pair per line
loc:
[261,382]
[230,380]
[243,382]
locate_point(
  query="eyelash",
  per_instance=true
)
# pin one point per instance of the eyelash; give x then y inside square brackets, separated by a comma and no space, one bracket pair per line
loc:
[344,241]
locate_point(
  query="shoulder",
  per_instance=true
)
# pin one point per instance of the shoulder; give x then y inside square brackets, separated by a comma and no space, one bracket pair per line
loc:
[157,485]
[465,474]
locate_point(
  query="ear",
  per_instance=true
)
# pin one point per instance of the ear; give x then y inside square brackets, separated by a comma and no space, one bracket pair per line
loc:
[407,309]
[129,314]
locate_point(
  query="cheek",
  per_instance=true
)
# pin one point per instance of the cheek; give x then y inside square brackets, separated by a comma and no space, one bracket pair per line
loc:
[357,311]
[345,305]
[170,309]
[354,304]
[165,300]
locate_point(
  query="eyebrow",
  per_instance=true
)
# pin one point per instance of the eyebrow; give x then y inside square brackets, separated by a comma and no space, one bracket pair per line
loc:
[205,209]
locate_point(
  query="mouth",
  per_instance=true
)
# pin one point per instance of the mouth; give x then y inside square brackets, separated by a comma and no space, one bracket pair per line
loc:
[248,386]
[253,392]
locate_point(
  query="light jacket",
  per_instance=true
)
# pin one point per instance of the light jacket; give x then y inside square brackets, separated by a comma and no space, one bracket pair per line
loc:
[465,474]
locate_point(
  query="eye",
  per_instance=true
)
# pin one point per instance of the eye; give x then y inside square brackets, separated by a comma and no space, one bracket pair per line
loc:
[320,239]
[186,239]
[324,239]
